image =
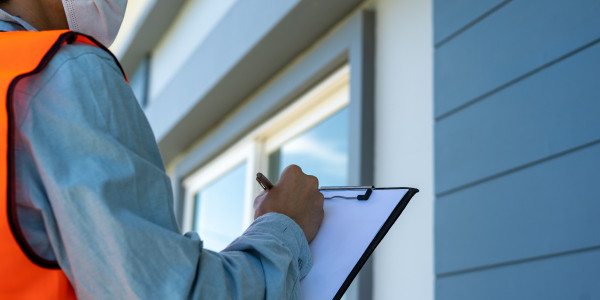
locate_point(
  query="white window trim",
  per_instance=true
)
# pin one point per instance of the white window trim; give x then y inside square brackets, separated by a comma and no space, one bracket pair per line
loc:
[208,174]
[322,101]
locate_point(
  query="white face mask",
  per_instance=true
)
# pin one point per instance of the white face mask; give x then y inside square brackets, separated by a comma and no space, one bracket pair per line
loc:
[100,19]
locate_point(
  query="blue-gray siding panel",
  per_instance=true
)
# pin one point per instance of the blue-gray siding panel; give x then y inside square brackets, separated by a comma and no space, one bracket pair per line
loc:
[548,208]
[550,112]
[518,38]
[452,15]
[573,276]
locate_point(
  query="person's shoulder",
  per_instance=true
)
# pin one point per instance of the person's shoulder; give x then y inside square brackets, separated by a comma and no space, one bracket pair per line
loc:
[73,65]
[83,56]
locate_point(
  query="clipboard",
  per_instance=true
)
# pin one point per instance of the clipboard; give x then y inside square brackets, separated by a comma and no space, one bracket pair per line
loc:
[356,220]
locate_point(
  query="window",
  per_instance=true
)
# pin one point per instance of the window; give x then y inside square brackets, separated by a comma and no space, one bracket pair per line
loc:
[217,202]
[219,209]
[321,151]
[312,133]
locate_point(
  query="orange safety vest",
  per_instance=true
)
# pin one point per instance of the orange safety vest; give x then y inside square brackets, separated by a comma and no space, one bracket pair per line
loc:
[24,274]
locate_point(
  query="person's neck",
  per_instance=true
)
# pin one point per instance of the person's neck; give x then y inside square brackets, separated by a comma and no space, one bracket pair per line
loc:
[41,14]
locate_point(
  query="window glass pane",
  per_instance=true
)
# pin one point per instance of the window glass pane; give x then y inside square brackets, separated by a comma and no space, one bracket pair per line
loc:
[219,209]
[321,151]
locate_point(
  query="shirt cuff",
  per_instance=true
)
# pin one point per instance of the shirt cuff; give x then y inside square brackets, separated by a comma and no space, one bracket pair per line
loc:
[290,233]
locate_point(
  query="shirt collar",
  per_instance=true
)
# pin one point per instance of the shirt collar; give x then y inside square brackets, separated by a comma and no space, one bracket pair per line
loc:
[6,17]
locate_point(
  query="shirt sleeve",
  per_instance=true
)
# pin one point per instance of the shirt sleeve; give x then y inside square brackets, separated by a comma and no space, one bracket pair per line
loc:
[96,173]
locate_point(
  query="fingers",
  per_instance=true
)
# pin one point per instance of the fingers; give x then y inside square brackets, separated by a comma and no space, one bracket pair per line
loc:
[259,198]
[294,173]
[314,181]
[291,173]
[293,168]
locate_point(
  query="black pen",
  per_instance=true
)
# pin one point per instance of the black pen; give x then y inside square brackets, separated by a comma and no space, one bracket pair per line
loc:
[263,181]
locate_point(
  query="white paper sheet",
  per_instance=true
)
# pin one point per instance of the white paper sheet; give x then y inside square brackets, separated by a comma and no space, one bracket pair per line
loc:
[348,228]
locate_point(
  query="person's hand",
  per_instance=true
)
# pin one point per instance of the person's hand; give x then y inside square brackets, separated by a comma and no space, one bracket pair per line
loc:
[297,196]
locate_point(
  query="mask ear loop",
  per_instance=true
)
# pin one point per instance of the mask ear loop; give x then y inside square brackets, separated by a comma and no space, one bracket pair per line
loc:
[70,14]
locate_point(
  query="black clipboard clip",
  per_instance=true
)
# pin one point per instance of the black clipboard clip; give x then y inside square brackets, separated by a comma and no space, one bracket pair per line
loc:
[368,191]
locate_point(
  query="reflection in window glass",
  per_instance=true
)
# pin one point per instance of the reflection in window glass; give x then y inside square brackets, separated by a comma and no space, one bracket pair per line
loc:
[321,151]
[219,210]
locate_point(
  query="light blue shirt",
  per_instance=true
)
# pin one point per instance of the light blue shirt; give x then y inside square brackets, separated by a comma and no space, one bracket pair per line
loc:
[92,194]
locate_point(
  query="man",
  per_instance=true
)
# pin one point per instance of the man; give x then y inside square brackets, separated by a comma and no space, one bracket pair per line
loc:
[90,192]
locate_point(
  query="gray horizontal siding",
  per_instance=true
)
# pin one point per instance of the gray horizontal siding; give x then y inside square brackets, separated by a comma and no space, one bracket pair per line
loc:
[548,208]
[516,39]
[550,112]
[454,15]
[517,149]
[569,276]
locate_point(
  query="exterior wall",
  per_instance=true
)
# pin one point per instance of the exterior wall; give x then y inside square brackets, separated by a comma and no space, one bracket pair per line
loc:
[517,147]
[195,21]
[403,263]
